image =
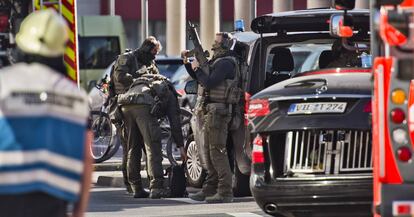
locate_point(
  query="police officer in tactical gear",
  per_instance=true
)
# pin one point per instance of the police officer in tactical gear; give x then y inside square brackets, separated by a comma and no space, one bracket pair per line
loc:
[151,97]
[342,57]
[128,67]
[220,84]
[131,65]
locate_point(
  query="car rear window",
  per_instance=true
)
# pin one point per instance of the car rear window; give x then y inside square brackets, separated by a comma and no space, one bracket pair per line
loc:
[284,61]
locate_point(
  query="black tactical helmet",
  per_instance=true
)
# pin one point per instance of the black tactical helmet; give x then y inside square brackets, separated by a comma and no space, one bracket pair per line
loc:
[149,44]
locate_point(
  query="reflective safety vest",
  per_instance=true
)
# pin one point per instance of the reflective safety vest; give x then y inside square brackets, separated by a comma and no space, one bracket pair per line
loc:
[43,119]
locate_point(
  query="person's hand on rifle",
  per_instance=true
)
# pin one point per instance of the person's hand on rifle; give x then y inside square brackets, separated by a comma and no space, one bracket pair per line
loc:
[184,56]
[195,64]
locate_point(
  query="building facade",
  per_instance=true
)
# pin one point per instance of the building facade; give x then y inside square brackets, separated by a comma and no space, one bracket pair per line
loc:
[130,11]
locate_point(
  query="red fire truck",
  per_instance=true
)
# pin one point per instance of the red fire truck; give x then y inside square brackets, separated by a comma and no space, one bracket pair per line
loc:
[393,107]
[67,8]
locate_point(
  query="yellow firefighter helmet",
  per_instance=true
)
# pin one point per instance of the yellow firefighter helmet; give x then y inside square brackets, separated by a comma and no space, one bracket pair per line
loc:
[43,33]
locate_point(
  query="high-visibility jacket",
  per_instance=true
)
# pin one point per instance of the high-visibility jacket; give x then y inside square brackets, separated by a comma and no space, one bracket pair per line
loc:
[43,118]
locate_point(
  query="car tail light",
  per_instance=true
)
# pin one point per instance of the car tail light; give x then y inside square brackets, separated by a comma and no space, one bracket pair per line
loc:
[400,136]
[398,96]
[404,154]
[4,22]
[258,107]
[368,107]
[246,107]
[397,116]
[402,208]
[257,152]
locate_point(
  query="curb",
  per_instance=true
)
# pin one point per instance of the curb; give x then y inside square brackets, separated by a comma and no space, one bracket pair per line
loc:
[118,181]
[111,181]
[117,166]
[110,174]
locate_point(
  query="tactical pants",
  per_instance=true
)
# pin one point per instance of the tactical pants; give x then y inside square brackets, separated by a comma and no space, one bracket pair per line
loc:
[219,175]
[141,123]
[123,137]
[197,122]
[132,143]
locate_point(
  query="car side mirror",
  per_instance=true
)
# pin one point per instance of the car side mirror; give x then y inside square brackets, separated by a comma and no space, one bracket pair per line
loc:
[91,84]
[191,87]
[341,26]
[344,4]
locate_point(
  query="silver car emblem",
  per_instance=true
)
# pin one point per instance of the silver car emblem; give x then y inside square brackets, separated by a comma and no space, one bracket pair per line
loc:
[322,89]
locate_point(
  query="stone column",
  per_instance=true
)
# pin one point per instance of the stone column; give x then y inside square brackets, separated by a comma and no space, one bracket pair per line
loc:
[176,27]
[282,5]
[144,20]
[112,7]
[209,22]
[362,4]
[319,3]
[244,9]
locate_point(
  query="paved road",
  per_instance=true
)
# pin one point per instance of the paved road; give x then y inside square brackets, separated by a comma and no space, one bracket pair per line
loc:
[107,201]
[114,202]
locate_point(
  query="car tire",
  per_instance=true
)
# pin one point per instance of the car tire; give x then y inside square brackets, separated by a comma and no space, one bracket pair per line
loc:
[241,186]
[194,171]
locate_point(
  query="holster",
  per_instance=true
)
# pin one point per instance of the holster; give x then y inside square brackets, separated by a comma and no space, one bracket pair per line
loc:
[236,118]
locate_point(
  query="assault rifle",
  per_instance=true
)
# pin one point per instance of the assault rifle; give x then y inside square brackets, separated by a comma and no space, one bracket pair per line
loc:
[198,52]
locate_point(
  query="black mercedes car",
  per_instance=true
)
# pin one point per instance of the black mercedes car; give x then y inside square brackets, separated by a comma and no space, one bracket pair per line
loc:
[311,137]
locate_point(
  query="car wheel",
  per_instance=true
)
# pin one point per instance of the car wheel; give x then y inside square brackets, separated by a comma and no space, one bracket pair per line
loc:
[194,172]
[241,186]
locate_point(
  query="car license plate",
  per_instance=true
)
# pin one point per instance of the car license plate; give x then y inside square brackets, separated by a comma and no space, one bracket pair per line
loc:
[317,107]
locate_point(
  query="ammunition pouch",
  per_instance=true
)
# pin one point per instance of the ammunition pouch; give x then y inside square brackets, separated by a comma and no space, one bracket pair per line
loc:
[135,98]
[230,90]
[225,94]
[233,95]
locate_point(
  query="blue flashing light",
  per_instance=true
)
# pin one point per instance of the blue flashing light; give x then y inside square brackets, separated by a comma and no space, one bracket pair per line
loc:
[239,25]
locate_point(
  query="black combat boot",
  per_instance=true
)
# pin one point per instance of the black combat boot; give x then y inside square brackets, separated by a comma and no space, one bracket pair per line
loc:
[142,193]
[217,198]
